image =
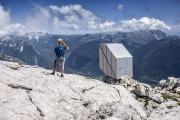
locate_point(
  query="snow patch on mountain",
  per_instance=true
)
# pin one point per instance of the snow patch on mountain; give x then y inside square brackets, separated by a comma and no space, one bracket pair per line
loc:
[21,49]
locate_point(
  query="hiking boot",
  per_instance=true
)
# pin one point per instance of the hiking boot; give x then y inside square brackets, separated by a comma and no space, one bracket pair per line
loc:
[62,75]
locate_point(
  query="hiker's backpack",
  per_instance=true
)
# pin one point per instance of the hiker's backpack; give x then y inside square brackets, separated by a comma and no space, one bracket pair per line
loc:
[60,51]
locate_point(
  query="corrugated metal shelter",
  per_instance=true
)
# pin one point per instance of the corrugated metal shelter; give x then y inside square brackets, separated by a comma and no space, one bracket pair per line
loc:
[115,60]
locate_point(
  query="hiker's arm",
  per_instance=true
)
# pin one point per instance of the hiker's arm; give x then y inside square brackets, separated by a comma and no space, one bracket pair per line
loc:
[66,46]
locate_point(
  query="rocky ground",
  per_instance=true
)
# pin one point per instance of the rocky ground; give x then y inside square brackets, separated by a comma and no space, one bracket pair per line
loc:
[30,93]
[161,102]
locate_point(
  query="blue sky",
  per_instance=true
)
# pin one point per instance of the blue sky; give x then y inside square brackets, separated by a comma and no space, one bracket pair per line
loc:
[108,12]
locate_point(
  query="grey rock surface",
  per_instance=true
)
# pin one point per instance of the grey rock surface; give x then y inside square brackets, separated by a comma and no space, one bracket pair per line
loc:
[31,93]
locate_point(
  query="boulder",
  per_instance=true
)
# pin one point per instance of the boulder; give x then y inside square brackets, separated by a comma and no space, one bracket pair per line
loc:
[177,90]
[14,66]
[171,84]
[163,84]
[156,97]
[140,90]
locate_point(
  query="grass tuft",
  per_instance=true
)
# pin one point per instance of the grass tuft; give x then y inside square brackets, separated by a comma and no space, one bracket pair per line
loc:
[170,107]
[167,96]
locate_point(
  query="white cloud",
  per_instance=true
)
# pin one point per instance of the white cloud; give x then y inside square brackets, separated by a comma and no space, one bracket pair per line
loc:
[40,21]
[120,7]
[67,19]
[4,17]
[107,24]
[74,19]
[144,23]
[16,28]
[6,25]
[74,11]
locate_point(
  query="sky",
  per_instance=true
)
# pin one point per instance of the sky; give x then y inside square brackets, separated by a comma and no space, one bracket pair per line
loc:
[88,16]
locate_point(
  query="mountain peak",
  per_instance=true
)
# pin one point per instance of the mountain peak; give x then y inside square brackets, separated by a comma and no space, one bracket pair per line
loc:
[29,92]
[41,95]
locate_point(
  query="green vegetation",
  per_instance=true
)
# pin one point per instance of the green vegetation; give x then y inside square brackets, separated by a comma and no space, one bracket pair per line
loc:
[146,103]
[170,107]
[167,96]
[147,90]
[145,98]
[178,103]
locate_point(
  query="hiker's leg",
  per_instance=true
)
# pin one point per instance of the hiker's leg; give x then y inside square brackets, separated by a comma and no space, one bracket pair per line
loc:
[62,69]
[54,67]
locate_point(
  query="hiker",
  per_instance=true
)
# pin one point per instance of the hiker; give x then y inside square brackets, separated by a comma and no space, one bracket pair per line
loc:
[60,50]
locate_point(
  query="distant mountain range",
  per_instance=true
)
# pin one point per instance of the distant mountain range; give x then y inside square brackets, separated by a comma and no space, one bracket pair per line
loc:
[155,53]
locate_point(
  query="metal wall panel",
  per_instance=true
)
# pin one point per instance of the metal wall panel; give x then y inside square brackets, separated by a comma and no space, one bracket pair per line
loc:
[105,62]
[114,65]
[125,67]
[117,64]
[100,59]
